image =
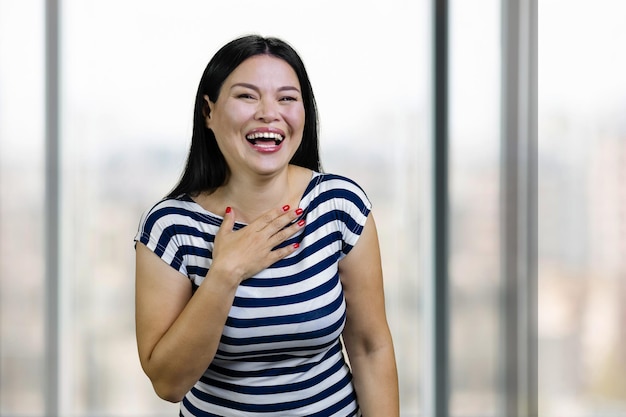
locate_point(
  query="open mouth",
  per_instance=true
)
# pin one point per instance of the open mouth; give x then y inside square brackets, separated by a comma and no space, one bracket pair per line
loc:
[260,138]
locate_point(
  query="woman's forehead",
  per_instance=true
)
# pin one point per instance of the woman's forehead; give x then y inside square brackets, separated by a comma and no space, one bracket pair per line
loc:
[266,69]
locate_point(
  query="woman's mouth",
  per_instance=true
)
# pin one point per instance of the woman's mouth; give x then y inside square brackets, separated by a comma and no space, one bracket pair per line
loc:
[265,138]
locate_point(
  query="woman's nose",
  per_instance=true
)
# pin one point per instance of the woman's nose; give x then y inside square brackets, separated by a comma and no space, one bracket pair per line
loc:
[267,110]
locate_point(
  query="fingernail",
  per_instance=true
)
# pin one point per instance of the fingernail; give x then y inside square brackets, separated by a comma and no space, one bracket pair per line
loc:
[286,207]
[301,223]
[228,209]
[299,211]
[296,245]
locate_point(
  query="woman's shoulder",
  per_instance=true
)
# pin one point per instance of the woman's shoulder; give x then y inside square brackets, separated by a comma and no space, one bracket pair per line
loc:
[336,182]
[181,209]
[337,191]
[171,205]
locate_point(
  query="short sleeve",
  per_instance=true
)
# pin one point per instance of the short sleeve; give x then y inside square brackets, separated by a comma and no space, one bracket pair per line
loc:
[353,208]
[157,231]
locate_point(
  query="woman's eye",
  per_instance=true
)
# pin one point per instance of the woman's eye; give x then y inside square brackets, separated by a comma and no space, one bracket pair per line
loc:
[245,96]
[288,98]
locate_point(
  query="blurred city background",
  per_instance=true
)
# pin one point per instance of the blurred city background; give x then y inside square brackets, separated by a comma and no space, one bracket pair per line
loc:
[128,75]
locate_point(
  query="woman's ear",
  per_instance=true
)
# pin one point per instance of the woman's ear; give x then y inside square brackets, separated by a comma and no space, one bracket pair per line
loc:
[206,110]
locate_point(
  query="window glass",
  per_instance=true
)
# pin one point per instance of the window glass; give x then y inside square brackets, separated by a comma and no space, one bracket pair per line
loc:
[582,209]
[129,75]
[22,298]
[474,174]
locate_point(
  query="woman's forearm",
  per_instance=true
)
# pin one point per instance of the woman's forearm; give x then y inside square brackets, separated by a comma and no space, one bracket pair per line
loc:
[185,351]
[376,382]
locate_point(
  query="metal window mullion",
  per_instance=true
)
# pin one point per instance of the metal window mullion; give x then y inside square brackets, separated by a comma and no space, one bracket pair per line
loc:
[509,207]
[52,207]
[532,209]
[439,346]
[530,88]
[518,207]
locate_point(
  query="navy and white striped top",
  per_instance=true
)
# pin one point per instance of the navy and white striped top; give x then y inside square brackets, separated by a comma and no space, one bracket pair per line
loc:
[280,353]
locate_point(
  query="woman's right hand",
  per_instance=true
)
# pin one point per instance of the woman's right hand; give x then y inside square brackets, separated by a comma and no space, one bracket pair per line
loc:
[245,252]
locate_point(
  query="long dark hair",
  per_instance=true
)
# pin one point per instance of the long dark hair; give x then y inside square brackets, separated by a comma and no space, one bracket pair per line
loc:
[206,168]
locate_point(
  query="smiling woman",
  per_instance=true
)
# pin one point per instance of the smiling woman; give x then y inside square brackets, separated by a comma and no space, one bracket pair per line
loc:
[258,113]
[242,302]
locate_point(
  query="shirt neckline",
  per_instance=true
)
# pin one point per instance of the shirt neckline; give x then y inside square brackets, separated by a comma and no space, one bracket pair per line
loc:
[198,208]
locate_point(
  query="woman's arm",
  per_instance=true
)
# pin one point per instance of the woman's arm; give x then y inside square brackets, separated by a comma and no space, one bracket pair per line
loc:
[366,336]
[177,334]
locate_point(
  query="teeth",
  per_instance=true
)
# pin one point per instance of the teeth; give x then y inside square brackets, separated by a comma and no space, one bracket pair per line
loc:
[265,135]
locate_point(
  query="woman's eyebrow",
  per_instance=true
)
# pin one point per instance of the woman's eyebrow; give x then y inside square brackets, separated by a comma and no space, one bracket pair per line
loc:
[289,88]
[245,85]
[255,88]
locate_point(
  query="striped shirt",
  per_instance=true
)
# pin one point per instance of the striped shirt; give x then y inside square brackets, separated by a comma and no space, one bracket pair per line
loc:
[280,353]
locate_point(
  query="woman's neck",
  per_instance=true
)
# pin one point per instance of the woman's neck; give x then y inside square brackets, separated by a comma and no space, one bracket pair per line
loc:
[251,197]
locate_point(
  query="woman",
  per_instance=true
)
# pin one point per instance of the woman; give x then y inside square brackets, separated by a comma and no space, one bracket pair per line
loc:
[256,267]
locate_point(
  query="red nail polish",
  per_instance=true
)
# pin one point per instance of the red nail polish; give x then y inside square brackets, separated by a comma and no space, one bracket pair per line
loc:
[286,207]
[299,211]
[301,223]
[228,209]
[296,245]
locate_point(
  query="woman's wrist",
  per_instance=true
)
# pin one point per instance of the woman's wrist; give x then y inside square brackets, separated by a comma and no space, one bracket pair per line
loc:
[230,278]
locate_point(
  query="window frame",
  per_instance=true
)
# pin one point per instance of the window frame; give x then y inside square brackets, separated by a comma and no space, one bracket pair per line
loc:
[518,208]
[52,208]
[518,216]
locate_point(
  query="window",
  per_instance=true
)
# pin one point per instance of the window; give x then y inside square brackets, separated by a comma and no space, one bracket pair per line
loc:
[22,228]
[475,213]
[582,207]
[127,76]
[128,72]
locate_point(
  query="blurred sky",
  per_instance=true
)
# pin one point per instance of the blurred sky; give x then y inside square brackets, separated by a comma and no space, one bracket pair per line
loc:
[583,45]
[109,46]
[581,59]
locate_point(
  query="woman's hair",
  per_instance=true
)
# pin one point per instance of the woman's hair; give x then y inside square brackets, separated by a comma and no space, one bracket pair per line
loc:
[206,168]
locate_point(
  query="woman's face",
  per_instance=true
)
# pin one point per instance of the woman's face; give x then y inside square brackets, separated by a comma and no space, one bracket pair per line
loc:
[258,118]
